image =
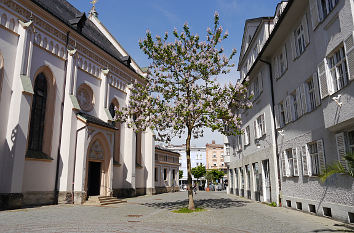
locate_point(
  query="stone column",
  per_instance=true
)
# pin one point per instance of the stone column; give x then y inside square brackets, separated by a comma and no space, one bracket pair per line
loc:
[19,113]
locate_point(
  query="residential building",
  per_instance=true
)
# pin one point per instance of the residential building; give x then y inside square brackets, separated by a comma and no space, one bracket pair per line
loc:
[198,157]
[215,156]
[253,162]
[62,75]
[166,170]
[310,53]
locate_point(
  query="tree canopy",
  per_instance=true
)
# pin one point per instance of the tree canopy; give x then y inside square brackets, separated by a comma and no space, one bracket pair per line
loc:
[181,93]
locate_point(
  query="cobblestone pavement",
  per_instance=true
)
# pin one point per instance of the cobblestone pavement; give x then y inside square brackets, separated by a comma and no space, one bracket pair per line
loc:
[225,213]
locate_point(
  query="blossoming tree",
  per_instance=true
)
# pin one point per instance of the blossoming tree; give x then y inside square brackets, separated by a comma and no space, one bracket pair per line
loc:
[181,95]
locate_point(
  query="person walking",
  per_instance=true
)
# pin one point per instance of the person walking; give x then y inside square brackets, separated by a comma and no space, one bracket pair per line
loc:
[195,188]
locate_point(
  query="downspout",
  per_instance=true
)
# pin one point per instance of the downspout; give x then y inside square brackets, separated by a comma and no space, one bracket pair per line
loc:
[56,190]
[72,189]
[274,122]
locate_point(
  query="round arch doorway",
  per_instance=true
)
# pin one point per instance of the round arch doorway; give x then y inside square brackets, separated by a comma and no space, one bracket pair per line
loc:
[97,177]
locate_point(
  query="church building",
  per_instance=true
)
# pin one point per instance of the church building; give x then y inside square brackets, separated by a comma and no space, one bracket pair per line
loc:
[62,75]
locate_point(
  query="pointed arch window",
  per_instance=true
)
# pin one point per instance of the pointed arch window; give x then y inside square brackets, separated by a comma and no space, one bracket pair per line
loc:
[38,114]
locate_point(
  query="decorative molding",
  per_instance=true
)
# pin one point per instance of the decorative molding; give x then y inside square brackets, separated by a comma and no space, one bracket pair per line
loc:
[27,85]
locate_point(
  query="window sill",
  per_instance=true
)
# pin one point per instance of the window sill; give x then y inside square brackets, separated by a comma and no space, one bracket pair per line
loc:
[37,155]
[116,164]
[328,19]
[282,74]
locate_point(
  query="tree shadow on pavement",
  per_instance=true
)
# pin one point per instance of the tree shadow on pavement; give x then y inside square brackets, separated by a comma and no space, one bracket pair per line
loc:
[219,203]
[348,228]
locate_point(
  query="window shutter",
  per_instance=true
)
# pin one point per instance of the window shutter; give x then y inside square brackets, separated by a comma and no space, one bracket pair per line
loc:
[260,82]
[295,162]
[293,46]
[286,110]
[316,89]
[306,30]
[292,109]
[322,78]
[287,169]
[314,13]
[309,163]
[305,168]
[298,101]
[321,156]
[349,51]
[255,129]
[304,101]
[341,150]
[277,116]
[283,166]
[264,125]
[285,60]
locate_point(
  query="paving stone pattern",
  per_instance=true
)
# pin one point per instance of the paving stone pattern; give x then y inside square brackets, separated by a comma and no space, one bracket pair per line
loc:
[225,213]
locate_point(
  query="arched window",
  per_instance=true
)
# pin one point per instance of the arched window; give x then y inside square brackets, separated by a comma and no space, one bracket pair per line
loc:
[38,114]
[112,109]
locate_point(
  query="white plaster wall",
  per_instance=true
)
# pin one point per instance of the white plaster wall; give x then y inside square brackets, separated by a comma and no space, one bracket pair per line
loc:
[8,44]
[337,192]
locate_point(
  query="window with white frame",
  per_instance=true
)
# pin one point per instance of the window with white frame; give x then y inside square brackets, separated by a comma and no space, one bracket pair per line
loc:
[282,114]
[338,69]
[227,149]
[299,40]
[295,107]
[289,154]
[247,135]
[313,152]
[282,61]
[256,87]
[239,142]
[325,7]
[311,95]
[260,126]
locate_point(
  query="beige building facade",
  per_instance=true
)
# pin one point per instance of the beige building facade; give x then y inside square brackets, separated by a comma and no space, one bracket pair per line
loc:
[215,156]
[166,170]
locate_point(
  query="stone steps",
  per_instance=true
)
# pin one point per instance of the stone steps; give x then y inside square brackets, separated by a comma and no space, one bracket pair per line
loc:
[103,200]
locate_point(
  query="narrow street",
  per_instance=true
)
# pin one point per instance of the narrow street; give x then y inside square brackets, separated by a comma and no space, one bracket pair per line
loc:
[225,213]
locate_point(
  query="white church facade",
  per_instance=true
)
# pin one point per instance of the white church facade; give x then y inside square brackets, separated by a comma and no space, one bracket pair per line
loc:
[62,74]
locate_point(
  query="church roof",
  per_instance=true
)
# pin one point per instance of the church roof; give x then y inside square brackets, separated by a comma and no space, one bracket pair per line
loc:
[95,120]
[67,13]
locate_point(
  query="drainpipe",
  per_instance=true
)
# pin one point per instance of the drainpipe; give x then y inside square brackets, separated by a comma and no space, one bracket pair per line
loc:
[274,122]
[56,190]
[72,189]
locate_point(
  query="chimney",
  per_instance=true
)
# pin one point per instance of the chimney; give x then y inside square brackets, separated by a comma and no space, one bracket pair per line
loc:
[213,142]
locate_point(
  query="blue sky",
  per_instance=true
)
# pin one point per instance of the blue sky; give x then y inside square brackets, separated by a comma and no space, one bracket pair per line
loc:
[129,20]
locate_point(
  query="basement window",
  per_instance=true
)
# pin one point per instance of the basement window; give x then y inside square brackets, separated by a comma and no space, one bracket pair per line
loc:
[351,217]
[299,205]
[288,203]
[312,208]
[327,212]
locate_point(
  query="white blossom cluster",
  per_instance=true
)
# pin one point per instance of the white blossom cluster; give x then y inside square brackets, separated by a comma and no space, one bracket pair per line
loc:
[181,92]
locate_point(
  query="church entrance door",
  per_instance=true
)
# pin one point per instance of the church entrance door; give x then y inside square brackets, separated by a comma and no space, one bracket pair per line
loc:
[94,178]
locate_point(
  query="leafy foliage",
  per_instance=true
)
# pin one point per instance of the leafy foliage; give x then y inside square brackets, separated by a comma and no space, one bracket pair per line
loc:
[198,172]
[214,174]
[338,168]
[180,174]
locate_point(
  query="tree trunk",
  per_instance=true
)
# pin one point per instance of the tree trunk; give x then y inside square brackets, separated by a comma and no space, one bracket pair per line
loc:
[189,169]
